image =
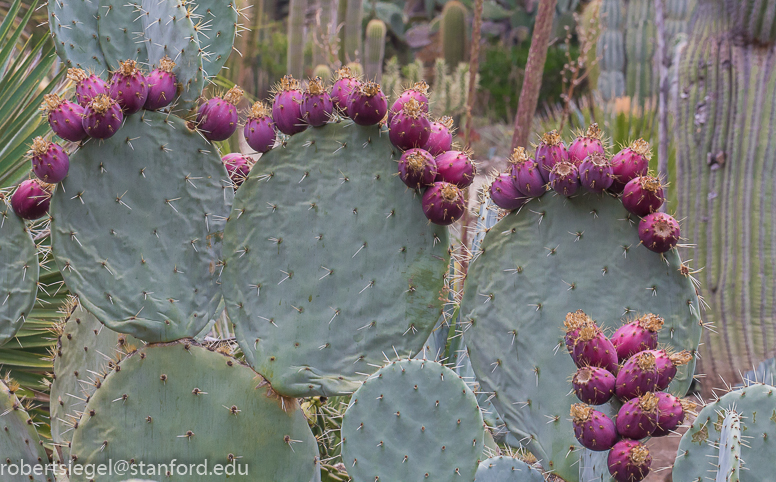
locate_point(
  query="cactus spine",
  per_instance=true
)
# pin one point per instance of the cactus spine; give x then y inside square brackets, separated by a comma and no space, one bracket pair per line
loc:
[295,57]
[452,33]
[375,49]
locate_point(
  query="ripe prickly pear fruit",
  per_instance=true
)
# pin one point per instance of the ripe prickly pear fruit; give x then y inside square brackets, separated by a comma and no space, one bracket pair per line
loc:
[587,144]
[417,168]
[217,118]
[564,178]
[593,385]
[504,193]
[316,103]
[128,86]
[637,417]
[102,117]
[367,104]
[528,178]
[667,364]
[345,84]
[87,86]
[409,127]
[441,137]
[593,429]
[640,334]
[550,151]
[659,232]
[455,167]
[238,167]
[443,203]
[643,195]
[287,106]
[49,161]
[595,173]
[593,348]
[64,117]
[671,413]
[162,85]
[572,324]
[629,163]
[418,92]
[31,199]
[637,376]
[629,461]
[259,130]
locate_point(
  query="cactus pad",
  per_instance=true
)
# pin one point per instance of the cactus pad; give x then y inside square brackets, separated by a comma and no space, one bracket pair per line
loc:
[553,257]
[506,469]
[19,442]
[121,34]
[222,411]
[19,272]
[136,228]
[412,420]
[330,262]
[73,26]
[220,16]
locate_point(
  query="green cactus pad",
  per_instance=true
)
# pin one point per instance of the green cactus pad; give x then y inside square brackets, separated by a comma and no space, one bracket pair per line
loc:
[137,225]
[702,444]
[412,420]
[19,442]
[19,272]
[121,35]
[555,256]
[182,401]
[73,26]
[219,18]
[330,262]
[506,469]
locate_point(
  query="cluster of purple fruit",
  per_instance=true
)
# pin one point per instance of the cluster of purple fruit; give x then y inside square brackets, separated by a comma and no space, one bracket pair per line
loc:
[584,164]
[630,368]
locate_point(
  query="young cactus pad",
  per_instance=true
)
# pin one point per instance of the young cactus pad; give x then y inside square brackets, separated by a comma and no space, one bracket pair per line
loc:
[554,256]
[19,271]
[119,33]
[137,226]
[412,420]
[183,401]
[506,469]
[19,442]
[703,443]
[330,262]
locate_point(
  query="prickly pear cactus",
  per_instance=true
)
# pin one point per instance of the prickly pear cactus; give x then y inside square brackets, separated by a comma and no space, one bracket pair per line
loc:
[74,29]
[713,437]
[330,262]
[412,420]
[506,469]
[19,274]
[119,34]
[183,401]
[554,256]
[137,225]
[19,442]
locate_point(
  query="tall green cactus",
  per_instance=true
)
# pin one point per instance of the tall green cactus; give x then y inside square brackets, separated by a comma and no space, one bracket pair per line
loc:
[353,45]
[610,49]
[452,31]
[724,180]
[640,31]
[295,32]
[374,49]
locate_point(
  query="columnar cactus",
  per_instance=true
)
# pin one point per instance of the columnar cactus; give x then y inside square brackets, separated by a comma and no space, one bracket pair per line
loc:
[374,49]
[640,74]
[452,29]
[611,50]
[295,54]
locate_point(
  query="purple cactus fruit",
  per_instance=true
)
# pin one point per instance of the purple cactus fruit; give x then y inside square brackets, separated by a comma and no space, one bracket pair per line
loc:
[593,385]
[49,161]
[564,178]
[367,104]
[572,324]
[417,168]
[238,167]
[456,167]
[528,178]
[595,173]
[643,195]
[440,138]
[287,107]
[345,84]
[549,152]
[593,429]
[629,163]
[584,145]
[102,117]
[637,417]
[162,85]
[637,335]
[316,103]
[418,92]
[659,232]
[667,365]
[87,86]
[64,117]
[504,193]
[671,413]
[31,199]
[217,118]
[594,349]
[259,129]
[443,203]
[637,376]
[410,127]
[129,87]
[629,461]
